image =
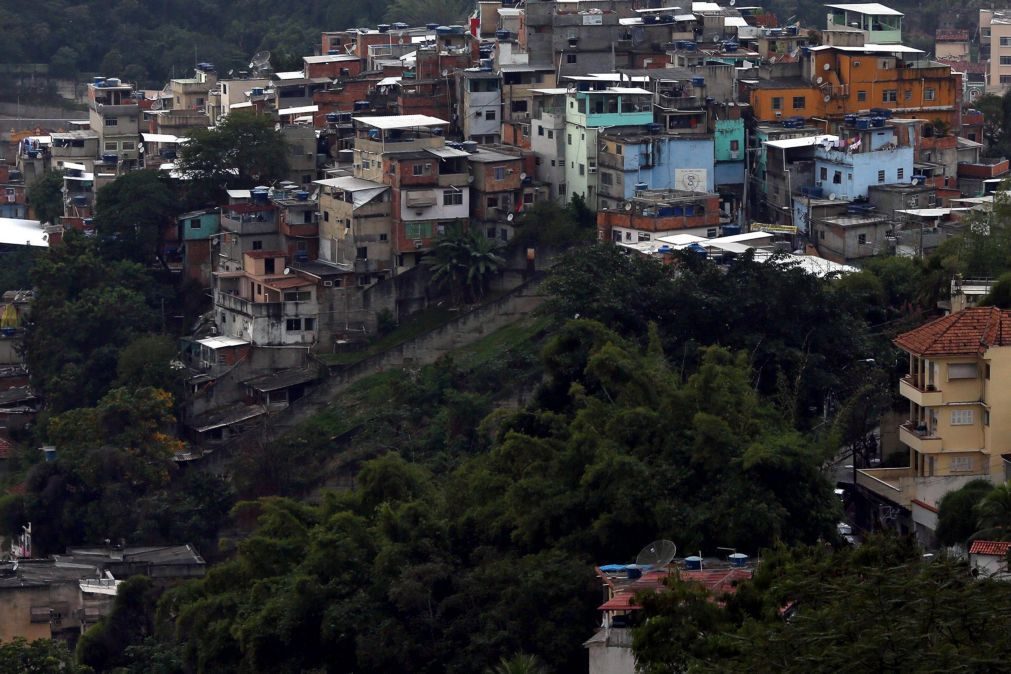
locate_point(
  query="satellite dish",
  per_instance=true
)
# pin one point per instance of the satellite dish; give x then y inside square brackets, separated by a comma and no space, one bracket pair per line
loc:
[445,72]
[523,176]
[827,67]
[470,179]
[832,196]
[260,61]
[733,2]
[628,205]
[827,98]
[509,218]
[638,35]
[287,270]
[657,554]
[820,79]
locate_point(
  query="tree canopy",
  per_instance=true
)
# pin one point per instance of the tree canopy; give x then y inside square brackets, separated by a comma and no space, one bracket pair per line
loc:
[244,150]
[131,216]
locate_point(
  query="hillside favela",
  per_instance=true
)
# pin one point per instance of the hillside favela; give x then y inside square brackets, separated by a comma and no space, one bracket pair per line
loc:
[507,337]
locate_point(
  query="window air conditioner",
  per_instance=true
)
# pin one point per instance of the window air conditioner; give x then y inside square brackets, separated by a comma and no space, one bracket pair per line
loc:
[328,284]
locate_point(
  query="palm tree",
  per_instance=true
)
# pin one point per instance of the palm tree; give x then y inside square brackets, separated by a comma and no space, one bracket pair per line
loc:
[520,663]
[465,261]
[995,514]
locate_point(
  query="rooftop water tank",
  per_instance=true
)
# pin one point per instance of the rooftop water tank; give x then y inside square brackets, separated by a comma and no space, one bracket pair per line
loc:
[113,82]
[502,35]
[399,25]
[442,30]
[302,195]
[738,559]
[693,563]
[110,158]
[362,105]
[469,146]
[257,91]
[639,187]
[654,128]
[698,81]
[331,117]
[98,81]
[384,28]
[431,26]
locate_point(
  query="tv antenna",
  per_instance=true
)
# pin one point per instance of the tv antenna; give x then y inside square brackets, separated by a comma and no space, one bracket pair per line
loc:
[656,555]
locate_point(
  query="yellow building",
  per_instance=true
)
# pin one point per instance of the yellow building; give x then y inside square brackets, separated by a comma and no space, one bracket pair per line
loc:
[957,429]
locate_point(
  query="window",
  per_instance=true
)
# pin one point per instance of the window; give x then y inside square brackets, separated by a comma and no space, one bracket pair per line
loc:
[861,96]
[528,197]
[643,236]
[384,237]
[861,239]
[551,134]
[823,173]
[837,178]
[309,323]
[452,198]
[899,173]
[568,140]
[540,130]
[961,418]
[735,146]
[582,169]
[1005,79]
[269,266]
[490,232]
[606,178]
[111,145]
[962,371]
[571,58]
[259,289]
[960,464]
[986,417]
[500,173]
[890,95]
[986,370]
[1005,60]
[326,216]
[128,145]
[195,223]
[421,169]
[111,121]
[257,245]
[492,202]
[553,162]
[881,176]
[799,102]
[418,230]
[489,115]
[293,325]
[777,102]
[821,234]
[619,149]
[1005,42]
[711,233]
[929,94]
[362,253]
[297,296]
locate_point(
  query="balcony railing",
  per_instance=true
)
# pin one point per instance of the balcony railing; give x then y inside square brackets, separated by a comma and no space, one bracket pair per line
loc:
[911,388]
[892,484]
[920,438]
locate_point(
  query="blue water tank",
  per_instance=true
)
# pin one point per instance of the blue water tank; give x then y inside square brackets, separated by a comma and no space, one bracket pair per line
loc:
[850,119]
[442,30]
[666,211]
[698,81]
[302,195]
[257,91]
[633,572]
[639,187]
[110,158]
[80,200]
[502,35]
[654,128]
[650,19]
[730,230]
[362,105]
[693,563]
[431,26]
[877,121]
[399,25]
[331,117]
[863,122]
[384,28]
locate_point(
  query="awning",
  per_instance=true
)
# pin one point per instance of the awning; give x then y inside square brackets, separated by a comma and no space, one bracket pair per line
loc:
[400,121]
[74,166]
[160,138]
[226,417]
[301,110]
[388,82]
[18,232]
[233,106]
[447,152]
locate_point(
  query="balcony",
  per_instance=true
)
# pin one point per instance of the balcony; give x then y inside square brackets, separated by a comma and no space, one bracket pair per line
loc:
[919,438]
[892,484]
[924,397]
[611,161]
[225,300]
[244,221]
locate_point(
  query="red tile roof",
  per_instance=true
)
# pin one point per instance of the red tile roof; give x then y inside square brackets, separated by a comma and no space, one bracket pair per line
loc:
[969,332]
[992,548]
[717,581]
[951,35]
[964,66]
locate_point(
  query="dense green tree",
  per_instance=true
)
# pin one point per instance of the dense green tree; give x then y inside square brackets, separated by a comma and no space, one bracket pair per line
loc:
[84,310]
[148,361]
[244,150]
[43,656]
[994,511]
[879,608]
[64,62]
[1000,293]
[958,515]
[130,623]
[45,196]
[131,216]
[464,261]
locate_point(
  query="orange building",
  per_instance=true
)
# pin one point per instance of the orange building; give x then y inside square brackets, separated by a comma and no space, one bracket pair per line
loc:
[836,81]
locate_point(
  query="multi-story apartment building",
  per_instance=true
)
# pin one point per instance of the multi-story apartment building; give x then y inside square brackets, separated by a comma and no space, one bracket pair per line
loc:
[115,113]
[547,139]
[999,28]
[878,23]
[957,429]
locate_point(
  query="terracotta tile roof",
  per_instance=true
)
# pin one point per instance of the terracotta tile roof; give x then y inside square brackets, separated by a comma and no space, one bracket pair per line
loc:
[964,66]
[717,581]
[951,35]
[966,333]
[993,548]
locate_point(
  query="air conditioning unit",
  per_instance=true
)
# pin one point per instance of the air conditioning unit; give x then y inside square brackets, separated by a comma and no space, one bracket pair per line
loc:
[328,284]
[592,169]
[417,244]
[817,183]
